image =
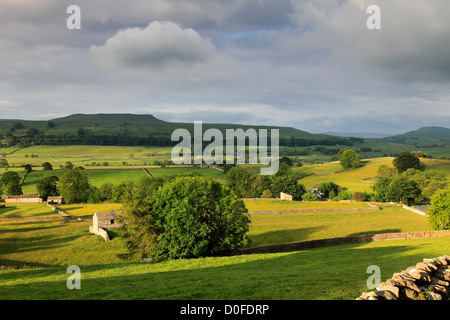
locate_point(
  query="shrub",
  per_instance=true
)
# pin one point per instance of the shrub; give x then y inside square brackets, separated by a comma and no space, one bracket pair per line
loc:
[359,196]
[308,196]
[439,212]
[327,187]
[344,195]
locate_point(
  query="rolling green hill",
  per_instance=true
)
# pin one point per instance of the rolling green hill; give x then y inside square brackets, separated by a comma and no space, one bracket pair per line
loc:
[427,133]
[133,130]
[126,129]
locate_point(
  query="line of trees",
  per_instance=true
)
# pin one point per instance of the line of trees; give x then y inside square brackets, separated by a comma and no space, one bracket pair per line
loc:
[83,137]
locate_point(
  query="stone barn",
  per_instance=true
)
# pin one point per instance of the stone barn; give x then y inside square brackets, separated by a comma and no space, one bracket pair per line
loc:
[57,200]
[29,198]
[285,197]
[104,220]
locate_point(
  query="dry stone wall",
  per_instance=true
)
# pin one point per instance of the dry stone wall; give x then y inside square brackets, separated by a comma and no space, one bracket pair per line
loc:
[345,240]
[427,280]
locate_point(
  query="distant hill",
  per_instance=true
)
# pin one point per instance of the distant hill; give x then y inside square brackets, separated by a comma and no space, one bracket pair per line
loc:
[134,129]
[426,133]
[365,135]
[108,117]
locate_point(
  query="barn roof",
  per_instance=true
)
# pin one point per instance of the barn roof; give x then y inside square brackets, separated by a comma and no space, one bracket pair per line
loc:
[106,215]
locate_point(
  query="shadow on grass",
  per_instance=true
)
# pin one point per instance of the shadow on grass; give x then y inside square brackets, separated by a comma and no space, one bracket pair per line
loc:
[322,273]
[31,244]
[27,226]
[8,212]
[375,232]
[282,236]
[4,212]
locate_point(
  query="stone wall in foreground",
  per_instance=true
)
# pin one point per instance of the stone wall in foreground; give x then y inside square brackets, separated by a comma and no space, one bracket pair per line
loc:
[427,280]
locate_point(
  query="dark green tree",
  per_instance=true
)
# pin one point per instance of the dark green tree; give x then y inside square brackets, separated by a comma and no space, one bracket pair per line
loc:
[243,181]
[106,191]
[14,189]
[74,187]
[286,160]
[48,187]
[403,190]
[47,166]
[327,188]
[187,217]
[405,161]
[11,180]
[287,185]
[10,177]
[69,165]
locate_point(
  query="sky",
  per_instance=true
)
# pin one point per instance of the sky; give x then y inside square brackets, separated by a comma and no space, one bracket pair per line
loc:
[309,64]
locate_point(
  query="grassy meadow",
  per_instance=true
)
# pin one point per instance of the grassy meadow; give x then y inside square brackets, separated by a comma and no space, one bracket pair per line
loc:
[85,155]
[268,229]
[336,273]
[352,179]
[329,273]
[26,210]
[88,210]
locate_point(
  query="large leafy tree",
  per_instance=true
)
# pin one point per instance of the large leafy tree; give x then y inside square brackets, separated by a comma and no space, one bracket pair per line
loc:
[74,186]
[405,161]
[11,180]
[243,181]
[186,217]
[439,212]
[403,190]
[349,158]
[48,187]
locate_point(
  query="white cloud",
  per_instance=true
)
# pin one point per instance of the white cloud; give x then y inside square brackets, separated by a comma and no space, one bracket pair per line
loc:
[159,45]
[4,104]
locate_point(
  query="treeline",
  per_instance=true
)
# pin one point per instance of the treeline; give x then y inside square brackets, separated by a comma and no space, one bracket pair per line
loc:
[88,139]
[330,141]
[83,137]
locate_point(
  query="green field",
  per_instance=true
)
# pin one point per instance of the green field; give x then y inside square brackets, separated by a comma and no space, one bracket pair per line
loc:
[268,229]
[88,210]
[352,179]
[85,155]
[26,210]
[266,205]
[335,273]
